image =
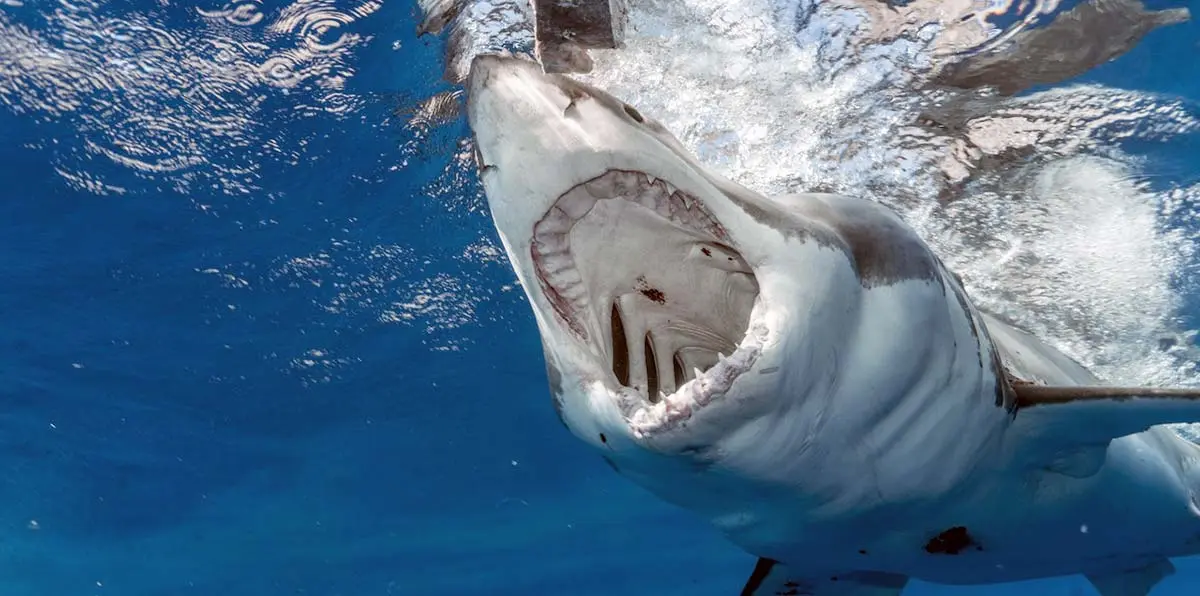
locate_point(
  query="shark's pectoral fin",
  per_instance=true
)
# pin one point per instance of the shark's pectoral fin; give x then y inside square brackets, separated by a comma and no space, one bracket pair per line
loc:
[1069,428]
[771,578]
[1136,582]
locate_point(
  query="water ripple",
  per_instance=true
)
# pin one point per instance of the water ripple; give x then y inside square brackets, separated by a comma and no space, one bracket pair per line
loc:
[181,106]
[242,14]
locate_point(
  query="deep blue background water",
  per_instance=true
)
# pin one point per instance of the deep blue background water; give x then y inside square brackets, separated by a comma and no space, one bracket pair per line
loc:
[224,389]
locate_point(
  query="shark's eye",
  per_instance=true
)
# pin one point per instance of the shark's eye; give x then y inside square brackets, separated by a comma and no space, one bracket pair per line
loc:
[634,114]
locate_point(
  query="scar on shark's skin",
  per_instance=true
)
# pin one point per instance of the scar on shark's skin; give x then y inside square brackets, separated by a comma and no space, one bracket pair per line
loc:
[951,542]
[651,292]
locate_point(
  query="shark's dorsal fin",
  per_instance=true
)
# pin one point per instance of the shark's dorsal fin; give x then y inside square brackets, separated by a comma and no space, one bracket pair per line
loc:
[1135,582]
[771,577]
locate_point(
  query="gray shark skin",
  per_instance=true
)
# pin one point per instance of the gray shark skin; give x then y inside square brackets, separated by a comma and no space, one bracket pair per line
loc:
[802,371]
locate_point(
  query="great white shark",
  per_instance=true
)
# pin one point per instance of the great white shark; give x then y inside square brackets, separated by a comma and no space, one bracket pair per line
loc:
[804,373]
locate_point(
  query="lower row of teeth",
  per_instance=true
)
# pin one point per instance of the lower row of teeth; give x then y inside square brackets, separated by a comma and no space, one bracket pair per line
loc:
[697,393]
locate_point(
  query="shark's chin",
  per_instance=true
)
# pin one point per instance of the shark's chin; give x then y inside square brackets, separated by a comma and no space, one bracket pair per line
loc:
[643,275]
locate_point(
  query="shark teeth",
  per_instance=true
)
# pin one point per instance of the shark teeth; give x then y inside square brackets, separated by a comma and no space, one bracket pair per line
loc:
[551,247]
[564,288]
[673,411]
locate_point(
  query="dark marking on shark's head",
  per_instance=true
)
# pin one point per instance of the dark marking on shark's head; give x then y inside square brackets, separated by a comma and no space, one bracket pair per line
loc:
[883,250]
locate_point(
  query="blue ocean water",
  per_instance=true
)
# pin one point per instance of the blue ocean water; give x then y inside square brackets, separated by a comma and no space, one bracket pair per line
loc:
[259,338]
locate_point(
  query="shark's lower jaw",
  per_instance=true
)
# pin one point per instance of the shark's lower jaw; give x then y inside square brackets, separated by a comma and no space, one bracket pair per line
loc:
[644,275]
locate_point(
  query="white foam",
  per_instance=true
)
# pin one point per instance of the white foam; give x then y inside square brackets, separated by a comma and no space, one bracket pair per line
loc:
[784,95]
[1072,247]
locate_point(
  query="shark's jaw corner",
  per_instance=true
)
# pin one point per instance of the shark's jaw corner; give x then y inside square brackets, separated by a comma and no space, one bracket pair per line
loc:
[640,291]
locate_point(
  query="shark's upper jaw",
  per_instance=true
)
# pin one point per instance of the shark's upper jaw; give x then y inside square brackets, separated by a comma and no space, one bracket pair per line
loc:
[639,288]
[551,247]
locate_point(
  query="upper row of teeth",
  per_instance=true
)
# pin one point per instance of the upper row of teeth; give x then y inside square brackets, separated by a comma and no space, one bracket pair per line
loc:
[647,191]
[551,234]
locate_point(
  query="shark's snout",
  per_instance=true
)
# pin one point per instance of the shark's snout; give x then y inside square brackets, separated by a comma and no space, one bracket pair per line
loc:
[615,242]
[485,66]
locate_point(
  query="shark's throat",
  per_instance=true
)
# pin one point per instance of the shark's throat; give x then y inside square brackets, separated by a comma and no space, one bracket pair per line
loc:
[645,274]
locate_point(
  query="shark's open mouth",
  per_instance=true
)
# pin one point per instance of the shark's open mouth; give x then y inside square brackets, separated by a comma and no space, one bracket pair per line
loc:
[647,276]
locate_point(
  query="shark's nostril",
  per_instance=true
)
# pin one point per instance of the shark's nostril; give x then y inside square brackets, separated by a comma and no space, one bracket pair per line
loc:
[651,371]
[620,349]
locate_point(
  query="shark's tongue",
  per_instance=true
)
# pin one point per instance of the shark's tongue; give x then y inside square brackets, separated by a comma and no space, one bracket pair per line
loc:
[647,274]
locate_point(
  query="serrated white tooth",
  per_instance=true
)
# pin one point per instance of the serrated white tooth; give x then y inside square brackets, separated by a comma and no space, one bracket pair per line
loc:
[721,357]
[679,412]
[557,265]
[576,203]
[556,221]
[568,276]
[599,188]
[625,184]
[550,253]
[574,292]
[550,245]
[697,372]
[662,397]
[648,199]
[650,179]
